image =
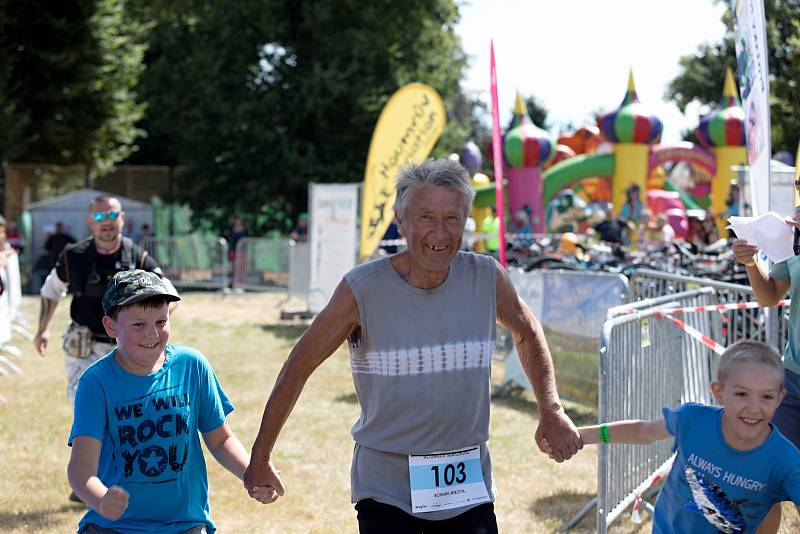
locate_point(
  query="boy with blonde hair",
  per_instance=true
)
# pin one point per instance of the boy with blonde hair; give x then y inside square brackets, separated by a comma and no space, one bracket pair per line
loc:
[731,464]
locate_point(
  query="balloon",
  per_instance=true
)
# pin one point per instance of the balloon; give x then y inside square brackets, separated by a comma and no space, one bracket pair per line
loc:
[470,157]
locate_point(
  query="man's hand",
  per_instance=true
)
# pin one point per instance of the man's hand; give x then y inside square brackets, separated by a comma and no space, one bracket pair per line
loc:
[743,251]
[263,482]
[557,437]
[114,503]
[40,342]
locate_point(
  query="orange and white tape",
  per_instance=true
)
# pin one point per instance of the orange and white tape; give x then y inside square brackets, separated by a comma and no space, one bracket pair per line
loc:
[723,307]
[702,338]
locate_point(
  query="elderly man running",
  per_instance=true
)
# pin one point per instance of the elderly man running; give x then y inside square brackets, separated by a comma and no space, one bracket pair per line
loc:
[420,326]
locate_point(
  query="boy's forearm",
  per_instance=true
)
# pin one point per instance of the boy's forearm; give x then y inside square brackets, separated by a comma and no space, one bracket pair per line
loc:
[634,432]
[86,485]
[232,455]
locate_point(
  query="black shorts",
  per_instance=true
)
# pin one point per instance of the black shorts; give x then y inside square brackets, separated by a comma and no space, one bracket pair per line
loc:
[378,518]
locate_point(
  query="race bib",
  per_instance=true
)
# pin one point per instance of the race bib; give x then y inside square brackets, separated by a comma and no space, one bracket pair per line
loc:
[444,480]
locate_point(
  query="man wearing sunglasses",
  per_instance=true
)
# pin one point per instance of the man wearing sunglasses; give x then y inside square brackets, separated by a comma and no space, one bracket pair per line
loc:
[769,289]
[84,269]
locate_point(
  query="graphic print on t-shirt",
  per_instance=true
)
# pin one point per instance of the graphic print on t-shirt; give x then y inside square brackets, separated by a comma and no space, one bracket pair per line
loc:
[153,435]
[710,499]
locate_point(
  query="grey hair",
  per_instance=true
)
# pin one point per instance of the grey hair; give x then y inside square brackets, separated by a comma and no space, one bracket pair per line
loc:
[436,173]
[748,351]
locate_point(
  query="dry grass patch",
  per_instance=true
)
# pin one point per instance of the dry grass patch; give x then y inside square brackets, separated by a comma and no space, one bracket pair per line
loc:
[247,343]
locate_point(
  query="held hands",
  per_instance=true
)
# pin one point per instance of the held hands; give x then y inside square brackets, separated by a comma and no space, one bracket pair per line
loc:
[557,437]
[114,503]
[263,482]
[40,342]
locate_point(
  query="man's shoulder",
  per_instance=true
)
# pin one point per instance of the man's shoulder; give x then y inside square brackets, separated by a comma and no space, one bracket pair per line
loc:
[475,260]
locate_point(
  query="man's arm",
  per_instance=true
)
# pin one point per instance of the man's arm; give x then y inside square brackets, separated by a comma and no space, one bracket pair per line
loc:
[555,435]
[768,290]
[328,331]
[634,432]
[82,474]
[52,291]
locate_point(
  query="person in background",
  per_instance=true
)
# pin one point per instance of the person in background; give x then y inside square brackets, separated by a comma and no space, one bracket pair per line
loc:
[491,226]
[142,234]
[520,227]
[238,261]
[57,241]
[84,270]
[392,234]
[632,208]
[300,230]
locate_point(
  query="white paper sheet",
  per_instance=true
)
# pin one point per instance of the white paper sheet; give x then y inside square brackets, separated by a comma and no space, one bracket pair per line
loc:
[768,232]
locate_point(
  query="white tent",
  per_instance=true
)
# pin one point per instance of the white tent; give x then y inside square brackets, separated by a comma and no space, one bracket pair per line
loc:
[71,210]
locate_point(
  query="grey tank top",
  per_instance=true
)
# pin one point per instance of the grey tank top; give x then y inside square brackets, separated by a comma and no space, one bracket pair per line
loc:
[421,366]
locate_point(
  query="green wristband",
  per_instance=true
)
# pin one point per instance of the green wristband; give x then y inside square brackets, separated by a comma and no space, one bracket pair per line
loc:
[605,436]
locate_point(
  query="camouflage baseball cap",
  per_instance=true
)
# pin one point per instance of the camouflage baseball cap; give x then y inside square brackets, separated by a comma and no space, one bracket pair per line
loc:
[129,287]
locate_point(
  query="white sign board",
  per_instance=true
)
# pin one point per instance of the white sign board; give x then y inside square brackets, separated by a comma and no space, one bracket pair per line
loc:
[753,74]
[333,211]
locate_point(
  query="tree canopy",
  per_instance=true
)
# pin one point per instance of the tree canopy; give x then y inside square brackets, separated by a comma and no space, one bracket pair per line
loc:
[703,73]
[261,98]
[68,72]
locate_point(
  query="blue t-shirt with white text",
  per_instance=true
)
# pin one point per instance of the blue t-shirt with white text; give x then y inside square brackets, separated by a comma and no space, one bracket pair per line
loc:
[150,446]
[713,487]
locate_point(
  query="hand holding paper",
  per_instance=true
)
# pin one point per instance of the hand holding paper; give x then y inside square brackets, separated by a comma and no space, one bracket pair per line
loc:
[769,232]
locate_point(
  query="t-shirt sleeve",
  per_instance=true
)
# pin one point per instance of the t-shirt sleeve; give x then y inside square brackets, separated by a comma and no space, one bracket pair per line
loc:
[675,417]
[780,270]
[89,418]
[214,403]
[791,483]
[61,266]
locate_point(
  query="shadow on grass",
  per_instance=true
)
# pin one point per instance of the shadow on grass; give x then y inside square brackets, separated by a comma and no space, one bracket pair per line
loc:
[563,505]
[285,331]
[348,398]
[36,519]
[523,401]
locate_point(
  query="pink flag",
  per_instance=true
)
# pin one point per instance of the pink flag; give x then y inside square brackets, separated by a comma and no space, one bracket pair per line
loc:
[498,160]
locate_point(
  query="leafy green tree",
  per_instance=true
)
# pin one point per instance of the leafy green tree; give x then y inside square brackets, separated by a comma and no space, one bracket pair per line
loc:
[703,73]
[68,73]
[537,112]
[259,98]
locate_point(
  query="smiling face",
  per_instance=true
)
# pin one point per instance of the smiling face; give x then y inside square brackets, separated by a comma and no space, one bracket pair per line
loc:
[433,224]
[750,394]
[142,333]
[107,233]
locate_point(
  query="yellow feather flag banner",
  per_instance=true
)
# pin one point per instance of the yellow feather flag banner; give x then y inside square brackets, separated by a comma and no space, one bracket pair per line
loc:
[408,127]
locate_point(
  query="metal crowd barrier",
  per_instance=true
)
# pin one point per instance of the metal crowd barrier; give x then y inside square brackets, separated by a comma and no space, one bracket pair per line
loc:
[571,307]
[736,324]
[191,261]
[261,264]
[638,355]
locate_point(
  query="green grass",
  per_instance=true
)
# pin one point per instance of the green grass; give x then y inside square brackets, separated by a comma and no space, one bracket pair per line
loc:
[247,343]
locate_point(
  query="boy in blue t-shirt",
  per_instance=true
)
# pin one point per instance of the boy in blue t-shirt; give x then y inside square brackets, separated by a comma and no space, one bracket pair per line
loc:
[732,464]
[136,456]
